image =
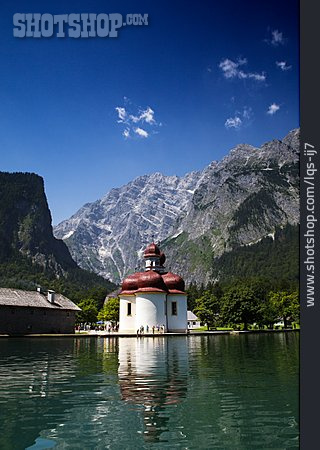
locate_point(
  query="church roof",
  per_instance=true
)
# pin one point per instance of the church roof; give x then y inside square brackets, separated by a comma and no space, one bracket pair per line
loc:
[152,250]
[154,279]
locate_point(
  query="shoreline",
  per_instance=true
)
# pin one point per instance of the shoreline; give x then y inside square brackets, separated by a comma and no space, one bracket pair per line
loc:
[102,334]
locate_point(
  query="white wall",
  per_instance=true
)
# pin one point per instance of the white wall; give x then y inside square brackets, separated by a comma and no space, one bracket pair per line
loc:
[127,323]
[178,322]
[196,325]
[150,309]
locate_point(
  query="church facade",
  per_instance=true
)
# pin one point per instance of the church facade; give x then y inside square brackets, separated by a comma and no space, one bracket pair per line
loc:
[153,298]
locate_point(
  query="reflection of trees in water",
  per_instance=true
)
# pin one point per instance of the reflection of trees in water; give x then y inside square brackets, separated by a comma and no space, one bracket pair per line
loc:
[100,392]
[96,355]
[41,379]
[153,376]
[250,379]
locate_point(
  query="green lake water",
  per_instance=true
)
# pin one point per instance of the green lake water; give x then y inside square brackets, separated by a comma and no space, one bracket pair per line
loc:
[198,392]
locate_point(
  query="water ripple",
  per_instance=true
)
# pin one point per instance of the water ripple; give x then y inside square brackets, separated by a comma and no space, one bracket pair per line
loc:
[223,392]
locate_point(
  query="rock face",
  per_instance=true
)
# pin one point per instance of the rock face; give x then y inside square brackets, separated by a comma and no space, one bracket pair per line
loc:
[25,224]
[29,252]
[232,203]
[238,202]
[109,235]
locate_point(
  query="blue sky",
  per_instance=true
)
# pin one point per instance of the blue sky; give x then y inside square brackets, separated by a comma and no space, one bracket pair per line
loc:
[92,114]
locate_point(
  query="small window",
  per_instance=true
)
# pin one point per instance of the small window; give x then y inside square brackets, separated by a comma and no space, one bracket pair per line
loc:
[68,314]
[128,309]
[174,308]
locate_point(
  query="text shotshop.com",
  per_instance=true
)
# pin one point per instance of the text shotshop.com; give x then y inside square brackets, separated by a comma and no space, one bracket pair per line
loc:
[74,25]
[309,235]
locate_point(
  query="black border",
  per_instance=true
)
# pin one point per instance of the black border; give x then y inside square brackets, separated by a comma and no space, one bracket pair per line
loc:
[310,134]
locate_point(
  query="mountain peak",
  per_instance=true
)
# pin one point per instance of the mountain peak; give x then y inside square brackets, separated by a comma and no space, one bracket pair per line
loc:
[234,201]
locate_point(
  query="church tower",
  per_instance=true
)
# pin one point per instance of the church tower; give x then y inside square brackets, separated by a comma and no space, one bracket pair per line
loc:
[153,298]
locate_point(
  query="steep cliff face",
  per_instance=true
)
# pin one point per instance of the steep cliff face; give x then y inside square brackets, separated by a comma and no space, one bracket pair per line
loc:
[29,253]
[25,223]
[230,204]
[108,236]
[238,202]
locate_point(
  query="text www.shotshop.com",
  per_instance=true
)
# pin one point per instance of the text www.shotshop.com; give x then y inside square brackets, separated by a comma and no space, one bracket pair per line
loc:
[311,221]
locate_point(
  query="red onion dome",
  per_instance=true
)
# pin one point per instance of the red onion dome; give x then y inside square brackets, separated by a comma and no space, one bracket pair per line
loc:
[174,283]
[152,250]
[162,258]
[130,284]
[150,281]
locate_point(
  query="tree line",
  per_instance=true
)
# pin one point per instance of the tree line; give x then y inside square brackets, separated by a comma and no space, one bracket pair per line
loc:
[236,305]
[244,303]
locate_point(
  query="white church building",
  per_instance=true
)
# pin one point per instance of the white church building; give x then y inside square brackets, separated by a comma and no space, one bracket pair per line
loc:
[153,298]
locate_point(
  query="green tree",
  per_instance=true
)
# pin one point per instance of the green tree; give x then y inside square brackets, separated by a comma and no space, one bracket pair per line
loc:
[207,309]
[268,313]
[110,311]
[287,305]
[89,311]
[240,305]
[193,294]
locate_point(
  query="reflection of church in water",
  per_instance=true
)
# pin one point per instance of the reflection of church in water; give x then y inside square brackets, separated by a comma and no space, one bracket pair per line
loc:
[153,298]
[153,377]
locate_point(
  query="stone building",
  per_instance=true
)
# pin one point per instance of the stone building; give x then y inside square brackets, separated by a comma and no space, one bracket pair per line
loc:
[26,312]
[153,298]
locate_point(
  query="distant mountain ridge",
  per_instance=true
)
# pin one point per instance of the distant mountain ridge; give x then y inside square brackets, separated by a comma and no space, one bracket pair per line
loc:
[233,203]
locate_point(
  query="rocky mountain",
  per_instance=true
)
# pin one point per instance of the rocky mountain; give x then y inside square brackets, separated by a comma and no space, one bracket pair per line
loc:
[25,223]
[238,202]
[233,203]
[29,252]
[108,236]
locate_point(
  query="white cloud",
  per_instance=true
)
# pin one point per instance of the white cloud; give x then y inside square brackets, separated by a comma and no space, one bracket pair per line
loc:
[256,76]
[233,122]
[283,65]
[240,119]
[141,132]
[146,115]
[247,113]
[126,133]
[231,69]
[133,117]
[277,38]
[121,113]
[273,108]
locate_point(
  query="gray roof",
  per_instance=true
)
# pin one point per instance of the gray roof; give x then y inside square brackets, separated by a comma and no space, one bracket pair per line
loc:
[192,316]
[34,299]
